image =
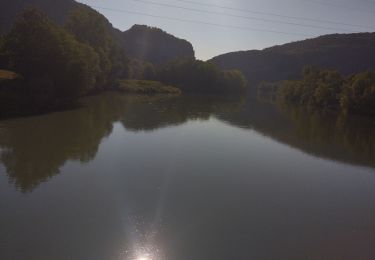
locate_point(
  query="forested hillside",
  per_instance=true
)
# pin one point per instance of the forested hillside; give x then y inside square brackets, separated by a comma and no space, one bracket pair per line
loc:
[57,10]
[154,45]
[140,42]
[348,53]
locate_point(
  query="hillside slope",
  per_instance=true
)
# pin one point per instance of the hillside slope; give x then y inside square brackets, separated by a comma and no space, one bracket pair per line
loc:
[139,42]
[155,45]
[57,10]
[348,53]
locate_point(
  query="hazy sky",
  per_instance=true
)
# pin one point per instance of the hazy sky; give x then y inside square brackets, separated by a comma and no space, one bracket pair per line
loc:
[239,18]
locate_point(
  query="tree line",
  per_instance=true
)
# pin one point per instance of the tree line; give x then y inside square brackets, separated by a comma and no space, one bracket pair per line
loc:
[192,76]
[326,89]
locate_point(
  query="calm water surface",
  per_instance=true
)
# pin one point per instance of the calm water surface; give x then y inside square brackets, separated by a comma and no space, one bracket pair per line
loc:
[186,178]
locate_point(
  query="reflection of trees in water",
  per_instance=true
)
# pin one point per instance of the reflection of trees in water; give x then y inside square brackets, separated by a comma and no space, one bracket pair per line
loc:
[338,137]
[151,113]
[34,149]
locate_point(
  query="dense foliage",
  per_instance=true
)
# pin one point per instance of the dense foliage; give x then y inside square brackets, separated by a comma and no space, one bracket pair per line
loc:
[358,95]
[194,76]
[93,29]
[55,67]
[327,89]
[319,88]
[147,87]
[191,76]
[154,45]
[141,70]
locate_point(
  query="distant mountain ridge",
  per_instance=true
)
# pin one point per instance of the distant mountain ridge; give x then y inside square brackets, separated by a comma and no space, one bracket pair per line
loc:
[348,53]
[155,45]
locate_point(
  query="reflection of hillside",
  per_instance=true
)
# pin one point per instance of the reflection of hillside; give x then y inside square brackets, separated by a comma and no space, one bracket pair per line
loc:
[151,113]
[341,138]
[34,149]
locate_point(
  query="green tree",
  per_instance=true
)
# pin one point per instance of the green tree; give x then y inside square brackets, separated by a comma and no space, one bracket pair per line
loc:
[234,80]
[328,89]
[55,67]
[318,88]
[93,29]
[358,95]
[202,77]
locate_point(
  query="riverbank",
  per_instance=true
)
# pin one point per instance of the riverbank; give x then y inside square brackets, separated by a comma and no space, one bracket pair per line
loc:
[147,87]
[13,104]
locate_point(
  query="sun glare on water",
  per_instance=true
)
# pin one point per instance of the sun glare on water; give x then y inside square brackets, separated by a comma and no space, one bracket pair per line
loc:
[144,258]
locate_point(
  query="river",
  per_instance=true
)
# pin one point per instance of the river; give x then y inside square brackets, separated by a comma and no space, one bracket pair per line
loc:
[183,178]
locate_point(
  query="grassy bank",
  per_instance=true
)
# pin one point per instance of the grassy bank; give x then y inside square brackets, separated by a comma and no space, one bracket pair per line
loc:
[147,87]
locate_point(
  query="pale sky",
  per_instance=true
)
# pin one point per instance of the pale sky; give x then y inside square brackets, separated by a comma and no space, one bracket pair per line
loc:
[221,26]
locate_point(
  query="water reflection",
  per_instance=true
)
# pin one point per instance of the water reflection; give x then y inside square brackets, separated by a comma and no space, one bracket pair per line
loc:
[33,149]
[152,113]
[348,139]
[212,188]
[143,249]
[340,137]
